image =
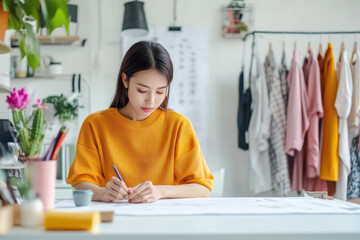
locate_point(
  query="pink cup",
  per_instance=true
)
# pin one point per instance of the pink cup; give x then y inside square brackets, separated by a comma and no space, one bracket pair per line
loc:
[43,181]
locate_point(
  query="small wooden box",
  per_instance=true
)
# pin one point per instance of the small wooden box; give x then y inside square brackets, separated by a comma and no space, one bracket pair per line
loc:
[6,218]
[17,215]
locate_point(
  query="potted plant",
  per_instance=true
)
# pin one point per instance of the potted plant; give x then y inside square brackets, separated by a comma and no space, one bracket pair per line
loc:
[29,129]
[24,17]
[42,176]
[66,109]
[235,13]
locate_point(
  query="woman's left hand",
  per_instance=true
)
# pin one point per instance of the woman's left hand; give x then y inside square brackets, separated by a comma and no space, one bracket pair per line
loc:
[144,192]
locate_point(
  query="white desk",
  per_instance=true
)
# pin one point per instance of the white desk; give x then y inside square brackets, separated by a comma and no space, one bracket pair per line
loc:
[291,226]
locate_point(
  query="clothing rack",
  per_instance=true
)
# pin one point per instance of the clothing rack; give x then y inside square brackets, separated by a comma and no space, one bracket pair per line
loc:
[287,33]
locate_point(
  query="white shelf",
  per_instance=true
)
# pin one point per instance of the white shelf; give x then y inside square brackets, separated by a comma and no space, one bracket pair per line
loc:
[45,77]
[49,40]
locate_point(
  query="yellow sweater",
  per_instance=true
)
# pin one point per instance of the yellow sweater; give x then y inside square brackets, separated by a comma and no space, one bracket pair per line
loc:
[330,140]
[161,149]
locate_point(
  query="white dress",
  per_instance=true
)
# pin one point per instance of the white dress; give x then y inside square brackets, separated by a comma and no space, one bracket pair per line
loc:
[343,106]
[259,131]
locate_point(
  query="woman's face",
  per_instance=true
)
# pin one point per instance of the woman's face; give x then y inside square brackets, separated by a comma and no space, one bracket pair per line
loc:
[146,91]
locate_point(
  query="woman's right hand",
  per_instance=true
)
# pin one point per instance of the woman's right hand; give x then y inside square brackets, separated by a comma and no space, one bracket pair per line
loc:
[115,190]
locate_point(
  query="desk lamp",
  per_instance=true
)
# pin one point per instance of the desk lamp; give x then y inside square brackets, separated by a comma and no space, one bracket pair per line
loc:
[134,23]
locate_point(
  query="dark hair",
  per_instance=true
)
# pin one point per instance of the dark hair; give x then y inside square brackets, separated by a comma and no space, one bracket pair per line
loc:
[141,56]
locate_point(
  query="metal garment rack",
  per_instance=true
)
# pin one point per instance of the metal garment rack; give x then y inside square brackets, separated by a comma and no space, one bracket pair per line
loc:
[287,33]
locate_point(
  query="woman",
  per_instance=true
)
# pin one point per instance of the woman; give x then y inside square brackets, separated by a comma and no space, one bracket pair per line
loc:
[154,149]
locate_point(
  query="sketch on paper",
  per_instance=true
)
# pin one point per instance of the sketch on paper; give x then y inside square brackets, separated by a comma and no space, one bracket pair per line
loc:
[221,206]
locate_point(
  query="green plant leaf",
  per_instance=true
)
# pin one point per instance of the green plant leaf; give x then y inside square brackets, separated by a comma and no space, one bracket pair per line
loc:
[61,19]
[33,48]
[7,4]
[22,45]
[242,28]
[55,13]
[44,12]
[16,14]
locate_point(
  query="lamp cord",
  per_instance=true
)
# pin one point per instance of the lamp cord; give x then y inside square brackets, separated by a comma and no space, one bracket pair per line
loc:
[174,12]
[99,26]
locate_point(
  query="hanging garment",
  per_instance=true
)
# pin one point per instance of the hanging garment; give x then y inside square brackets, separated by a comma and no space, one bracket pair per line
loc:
[278,160]
[354,117]
[297,121]
[343,107]
[320,59]
[283,72]
[330,139]
[311,148]
[353,188]
[244,113]
[259,129]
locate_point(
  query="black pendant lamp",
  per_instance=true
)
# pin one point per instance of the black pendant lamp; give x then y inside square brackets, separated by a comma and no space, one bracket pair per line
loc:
[134,24]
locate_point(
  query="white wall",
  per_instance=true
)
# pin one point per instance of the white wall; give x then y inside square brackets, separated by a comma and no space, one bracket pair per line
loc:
[225,59]
[103,62]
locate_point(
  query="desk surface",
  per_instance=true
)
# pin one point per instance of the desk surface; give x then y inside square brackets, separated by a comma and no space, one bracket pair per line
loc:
[290,226]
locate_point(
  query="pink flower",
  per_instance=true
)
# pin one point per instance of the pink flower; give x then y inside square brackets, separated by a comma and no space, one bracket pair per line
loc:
[18,99]
[39,104]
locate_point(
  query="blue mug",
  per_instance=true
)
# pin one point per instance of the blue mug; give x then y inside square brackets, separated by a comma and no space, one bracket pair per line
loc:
[82,197]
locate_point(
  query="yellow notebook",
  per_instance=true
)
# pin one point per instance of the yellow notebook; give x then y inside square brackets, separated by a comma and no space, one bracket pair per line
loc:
[56,220]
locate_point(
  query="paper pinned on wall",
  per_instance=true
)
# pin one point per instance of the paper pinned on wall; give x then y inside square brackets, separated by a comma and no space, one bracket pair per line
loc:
[189,52]
[220,206]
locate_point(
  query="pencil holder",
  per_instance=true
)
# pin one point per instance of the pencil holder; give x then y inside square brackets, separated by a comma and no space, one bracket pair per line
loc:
[82,197]
[44,180]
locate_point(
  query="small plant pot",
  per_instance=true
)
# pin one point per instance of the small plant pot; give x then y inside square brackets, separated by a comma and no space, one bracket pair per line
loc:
[4,19]
[82,197]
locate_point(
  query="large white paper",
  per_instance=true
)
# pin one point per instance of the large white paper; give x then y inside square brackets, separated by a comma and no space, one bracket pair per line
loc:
[220,206]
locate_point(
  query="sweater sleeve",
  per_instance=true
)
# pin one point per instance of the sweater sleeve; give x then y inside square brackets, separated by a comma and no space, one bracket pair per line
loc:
[86,166]
[190,165]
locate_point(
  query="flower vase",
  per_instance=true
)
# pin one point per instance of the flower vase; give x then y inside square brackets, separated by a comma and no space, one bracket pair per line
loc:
[43,180]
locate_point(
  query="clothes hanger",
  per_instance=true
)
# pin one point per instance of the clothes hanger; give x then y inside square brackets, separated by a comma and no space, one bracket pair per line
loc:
[309,44]
[295,45]
[308,50]
[320,49]
[270,48]
[354,53]
[342,49]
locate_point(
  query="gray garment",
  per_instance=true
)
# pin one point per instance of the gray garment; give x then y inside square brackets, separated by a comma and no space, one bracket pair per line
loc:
[278,159]
[353,187]
[283,72]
